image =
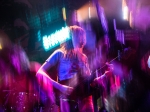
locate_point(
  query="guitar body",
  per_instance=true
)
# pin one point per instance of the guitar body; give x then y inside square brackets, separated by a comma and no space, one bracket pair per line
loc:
[71,102]
[81,88]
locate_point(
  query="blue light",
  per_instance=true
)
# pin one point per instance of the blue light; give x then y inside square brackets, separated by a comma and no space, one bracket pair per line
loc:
[56,38]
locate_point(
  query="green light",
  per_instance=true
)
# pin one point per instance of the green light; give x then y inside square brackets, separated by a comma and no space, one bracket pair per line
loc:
[56,38]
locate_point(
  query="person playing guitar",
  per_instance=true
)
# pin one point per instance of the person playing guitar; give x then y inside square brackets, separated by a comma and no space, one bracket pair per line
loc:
[72,67]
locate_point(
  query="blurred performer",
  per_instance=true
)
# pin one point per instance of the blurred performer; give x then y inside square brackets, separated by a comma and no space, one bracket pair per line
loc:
[4,42]
[16,83]
[72,67]
[109,84]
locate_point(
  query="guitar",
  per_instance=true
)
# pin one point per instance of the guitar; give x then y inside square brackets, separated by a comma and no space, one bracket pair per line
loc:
[81,87]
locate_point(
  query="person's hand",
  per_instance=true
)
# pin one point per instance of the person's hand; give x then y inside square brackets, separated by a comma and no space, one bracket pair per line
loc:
[66,89]
[96,82]
[108,73]
[101,79]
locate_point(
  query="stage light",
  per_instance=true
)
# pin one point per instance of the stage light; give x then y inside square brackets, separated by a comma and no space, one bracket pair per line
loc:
[0,46]
[89,12]
[56,38]
[45,42]
[0,43]
[64,13]
[125,10]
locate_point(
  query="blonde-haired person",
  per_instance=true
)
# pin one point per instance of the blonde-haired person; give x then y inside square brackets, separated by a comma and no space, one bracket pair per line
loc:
[72,68]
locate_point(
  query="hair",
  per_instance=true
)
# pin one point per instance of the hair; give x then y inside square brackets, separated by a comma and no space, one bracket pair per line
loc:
[73,31]
[76,30]
[68,45]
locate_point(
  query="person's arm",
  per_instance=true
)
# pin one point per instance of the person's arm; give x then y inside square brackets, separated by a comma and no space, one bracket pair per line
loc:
[99,80]
[64,89]
[42,72]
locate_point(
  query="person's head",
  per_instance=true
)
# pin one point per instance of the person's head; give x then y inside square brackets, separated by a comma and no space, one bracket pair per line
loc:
[78,36]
